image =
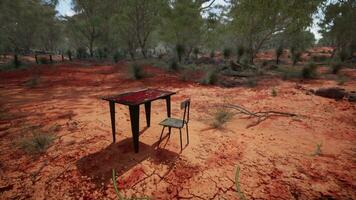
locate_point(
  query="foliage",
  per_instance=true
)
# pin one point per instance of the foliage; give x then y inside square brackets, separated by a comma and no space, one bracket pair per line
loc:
[227,53]
[220,117]
[309,71]
[296,55]
[38,142]
[237,183]
[279,52]
[337,25]
[336,67]
[118,55]
[274,92]
[180,49]
[240,52]
[212,54]
[174,66]
[82,53]
[210,77]
[251,82]
[256,22]
[196,52]
[317,151]
[69,54]
[136,72]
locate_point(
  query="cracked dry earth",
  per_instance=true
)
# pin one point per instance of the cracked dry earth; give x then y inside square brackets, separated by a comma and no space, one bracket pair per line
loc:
[275,157]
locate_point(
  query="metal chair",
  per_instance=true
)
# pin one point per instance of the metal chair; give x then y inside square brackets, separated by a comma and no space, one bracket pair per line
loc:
[178,123]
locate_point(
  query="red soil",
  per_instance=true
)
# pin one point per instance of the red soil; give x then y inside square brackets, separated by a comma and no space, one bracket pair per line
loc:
[275,157]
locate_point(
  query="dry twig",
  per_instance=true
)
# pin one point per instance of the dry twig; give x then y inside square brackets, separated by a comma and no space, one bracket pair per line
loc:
[261,116]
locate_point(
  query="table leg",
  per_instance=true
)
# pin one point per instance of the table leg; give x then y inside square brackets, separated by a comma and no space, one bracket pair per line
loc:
[135,124]
[168,104]
[148,113]
[112,116]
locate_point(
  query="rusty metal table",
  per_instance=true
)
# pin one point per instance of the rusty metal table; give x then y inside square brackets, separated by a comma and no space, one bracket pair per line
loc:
[133,100]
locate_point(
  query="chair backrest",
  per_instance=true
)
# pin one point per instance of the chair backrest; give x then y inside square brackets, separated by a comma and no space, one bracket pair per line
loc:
[186,106]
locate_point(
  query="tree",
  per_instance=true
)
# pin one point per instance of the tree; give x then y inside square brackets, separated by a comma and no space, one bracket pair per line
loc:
[86,25]
[279,52]
[24,24]
[182,24]
[338,26]
[257,21]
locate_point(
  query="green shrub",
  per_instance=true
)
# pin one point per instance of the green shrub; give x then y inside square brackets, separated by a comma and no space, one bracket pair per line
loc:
[274,92]
[38,142]
[82,53]
[210,78]
[296,57]
[279,52]
[180,49]
[309,71]
[69,54]
[251,82]
[220,117]
[118,55]
[227,53]
[240,52]
[174,66]
[212,54]
[336,67]
[136,72]
[196,52]
[342,54]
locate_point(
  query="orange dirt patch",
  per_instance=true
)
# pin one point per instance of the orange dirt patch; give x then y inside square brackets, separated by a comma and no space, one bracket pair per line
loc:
[275,157]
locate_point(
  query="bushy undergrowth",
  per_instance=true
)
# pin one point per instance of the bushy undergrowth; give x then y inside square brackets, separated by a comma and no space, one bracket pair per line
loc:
[251,82]
[38,142]
[274,92]
[173,66]
[210,77]
[136,71]
[118,55]
[227,53]
[220,117]
[43,60]
[336,67]
[309,71]
[32,82]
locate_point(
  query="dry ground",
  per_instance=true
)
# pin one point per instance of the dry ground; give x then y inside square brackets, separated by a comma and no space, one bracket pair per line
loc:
[275,156]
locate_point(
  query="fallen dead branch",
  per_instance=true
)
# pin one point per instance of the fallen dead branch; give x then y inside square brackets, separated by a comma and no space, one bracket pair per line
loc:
[261,115]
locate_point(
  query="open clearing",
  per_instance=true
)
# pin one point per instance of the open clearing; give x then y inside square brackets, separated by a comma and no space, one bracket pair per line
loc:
[305,157]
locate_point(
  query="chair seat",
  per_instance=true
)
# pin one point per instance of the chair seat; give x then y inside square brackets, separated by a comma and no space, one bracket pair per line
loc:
[172,122]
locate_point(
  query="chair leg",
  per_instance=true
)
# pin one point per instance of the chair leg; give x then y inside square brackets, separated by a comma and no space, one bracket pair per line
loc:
[160,138]
[180,133]
[186,126]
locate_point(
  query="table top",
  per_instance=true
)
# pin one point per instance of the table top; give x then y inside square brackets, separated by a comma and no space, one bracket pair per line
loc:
[139,97]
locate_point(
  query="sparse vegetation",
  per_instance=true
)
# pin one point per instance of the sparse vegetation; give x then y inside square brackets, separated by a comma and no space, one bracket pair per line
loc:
[279,52]
[251,82]
[210,78]
[180,49]
[227,53]
[38,142]
[240,52]
[220,117]
[174,66]
[237,183]
[317,151]
[274,92]
[43,60]
[136,72]
[296,57]
[33,81]
[336,67]
[309,71]
[341,80]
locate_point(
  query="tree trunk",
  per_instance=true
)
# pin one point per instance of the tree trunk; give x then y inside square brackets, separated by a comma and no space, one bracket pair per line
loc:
[50,58]
[143,51]
[62,57]
[277,60]
[91,49]
[36,59]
